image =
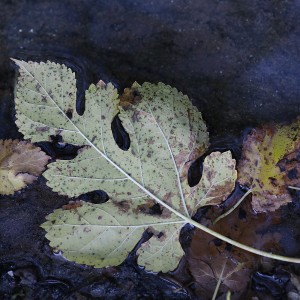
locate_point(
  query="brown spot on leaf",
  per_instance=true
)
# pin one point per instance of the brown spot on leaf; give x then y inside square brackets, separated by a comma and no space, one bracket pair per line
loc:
[145,208]
[130,96]
[72,205]
[123,206]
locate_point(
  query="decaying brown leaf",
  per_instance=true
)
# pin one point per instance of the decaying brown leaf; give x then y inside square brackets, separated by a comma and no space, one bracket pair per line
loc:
[209,270]
[20,164]
[207,255]
[261,167]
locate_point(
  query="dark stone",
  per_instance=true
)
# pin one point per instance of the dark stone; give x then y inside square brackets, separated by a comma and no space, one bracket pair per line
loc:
[271,283]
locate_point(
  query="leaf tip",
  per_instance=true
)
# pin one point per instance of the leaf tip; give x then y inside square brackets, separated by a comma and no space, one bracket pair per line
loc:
[101,84]
[16,61]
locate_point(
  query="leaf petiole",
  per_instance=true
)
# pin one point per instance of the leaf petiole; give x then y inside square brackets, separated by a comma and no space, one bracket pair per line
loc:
[232,208]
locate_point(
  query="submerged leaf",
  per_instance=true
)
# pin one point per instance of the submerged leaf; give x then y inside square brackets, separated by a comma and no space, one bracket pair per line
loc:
[20,164]
[259,169]
[83,234]
[167,134]
[208,271]
[207,255]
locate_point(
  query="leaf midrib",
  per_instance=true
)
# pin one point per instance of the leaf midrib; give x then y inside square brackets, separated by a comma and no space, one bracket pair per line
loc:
[119,226]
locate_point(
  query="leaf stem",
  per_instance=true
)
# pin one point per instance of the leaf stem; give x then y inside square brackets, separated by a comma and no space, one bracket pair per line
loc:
[294,188]
[232,208]
[219,282]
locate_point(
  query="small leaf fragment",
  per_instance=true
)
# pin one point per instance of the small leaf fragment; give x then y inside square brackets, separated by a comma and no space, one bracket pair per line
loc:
[20,164]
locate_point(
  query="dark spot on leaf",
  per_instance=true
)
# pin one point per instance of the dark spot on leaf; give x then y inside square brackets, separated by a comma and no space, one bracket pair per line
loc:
[123,206]
[160,235]
[273,181]
[155,209]
[69,113]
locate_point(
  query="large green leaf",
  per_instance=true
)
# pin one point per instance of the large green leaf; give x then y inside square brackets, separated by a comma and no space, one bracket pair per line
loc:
[167,133]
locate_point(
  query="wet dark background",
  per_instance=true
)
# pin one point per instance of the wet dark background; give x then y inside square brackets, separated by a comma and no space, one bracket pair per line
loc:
[238,61]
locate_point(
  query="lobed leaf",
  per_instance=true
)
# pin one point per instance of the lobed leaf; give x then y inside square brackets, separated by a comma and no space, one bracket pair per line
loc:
[166,132]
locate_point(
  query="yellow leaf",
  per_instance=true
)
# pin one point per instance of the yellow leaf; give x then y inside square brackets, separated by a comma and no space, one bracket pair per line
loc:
[259,169]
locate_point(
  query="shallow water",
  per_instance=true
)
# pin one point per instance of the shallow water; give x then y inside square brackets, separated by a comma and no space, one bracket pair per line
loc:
[238,62]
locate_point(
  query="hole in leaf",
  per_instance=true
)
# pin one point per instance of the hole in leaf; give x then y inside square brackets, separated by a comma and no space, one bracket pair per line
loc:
[195,172]
[155,209]
[95,197]
[132,256]
[82,84]
[57,149]
[121,137]
[185,236]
